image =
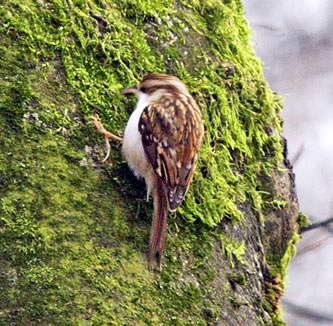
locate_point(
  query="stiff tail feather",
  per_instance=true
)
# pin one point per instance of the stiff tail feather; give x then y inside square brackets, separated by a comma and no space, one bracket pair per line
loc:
[159,226]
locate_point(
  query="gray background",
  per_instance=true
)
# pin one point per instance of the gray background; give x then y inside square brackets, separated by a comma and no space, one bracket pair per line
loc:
[295,41]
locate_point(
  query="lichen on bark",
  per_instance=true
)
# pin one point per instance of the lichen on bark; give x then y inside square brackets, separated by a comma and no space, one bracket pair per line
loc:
[74,232]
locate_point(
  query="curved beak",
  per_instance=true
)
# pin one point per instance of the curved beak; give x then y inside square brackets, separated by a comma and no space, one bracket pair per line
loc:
[129,90]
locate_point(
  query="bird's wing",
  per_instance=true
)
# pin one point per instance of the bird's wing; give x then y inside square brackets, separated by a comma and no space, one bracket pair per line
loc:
[171,131]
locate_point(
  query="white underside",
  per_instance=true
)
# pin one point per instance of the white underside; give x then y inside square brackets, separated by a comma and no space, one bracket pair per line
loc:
[132,145]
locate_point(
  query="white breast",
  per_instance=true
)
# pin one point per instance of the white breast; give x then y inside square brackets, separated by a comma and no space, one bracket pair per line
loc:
[132,144]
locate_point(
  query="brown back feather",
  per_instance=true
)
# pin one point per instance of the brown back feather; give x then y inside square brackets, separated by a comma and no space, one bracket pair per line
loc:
[171,131]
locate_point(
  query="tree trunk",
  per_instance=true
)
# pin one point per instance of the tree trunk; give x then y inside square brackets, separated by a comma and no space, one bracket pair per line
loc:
[75,232]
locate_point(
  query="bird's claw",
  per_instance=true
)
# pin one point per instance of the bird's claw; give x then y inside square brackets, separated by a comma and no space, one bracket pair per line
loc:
[96,121]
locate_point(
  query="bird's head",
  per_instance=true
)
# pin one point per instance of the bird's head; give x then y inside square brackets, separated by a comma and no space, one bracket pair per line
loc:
[155,85]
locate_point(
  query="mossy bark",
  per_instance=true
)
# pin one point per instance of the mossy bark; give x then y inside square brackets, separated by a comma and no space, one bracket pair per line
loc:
[74,232]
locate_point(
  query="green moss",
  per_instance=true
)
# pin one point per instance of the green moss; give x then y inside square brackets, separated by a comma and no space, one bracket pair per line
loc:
[233,250]
[275,280]
[237,279]
[73,233]
[238,106]
[303,220]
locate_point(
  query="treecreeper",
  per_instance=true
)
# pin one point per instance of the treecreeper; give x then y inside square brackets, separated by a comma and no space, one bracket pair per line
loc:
[161,144]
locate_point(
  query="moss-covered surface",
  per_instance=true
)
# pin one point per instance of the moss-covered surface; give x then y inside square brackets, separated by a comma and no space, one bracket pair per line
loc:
[74,233]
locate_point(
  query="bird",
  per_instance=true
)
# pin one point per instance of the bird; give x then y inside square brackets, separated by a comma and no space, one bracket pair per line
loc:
[161,144]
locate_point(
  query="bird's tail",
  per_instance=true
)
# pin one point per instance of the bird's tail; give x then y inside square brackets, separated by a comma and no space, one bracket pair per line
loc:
[159,227]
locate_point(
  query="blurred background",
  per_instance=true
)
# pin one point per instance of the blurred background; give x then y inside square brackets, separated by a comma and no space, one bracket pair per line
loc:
[294,39]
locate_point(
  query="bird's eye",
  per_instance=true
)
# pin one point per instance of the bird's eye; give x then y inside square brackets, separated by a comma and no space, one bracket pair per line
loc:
[143,89]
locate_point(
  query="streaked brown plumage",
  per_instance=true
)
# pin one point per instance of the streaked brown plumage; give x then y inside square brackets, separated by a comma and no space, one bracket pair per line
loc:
[161,144]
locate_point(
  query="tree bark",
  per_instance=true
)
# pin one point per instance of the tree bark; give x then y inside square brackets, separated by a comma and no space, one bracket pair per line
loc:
[74,232]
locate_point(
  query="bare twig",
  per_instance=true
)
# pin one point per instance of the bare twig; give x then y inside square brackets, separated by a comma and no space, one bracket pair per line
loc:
[298,154]
[307,313]
[313,245]
[324,223]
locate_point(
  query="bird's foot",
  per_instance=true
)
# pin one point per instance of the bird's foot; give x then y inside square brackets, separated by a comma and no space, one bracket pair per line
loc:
[106,134]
